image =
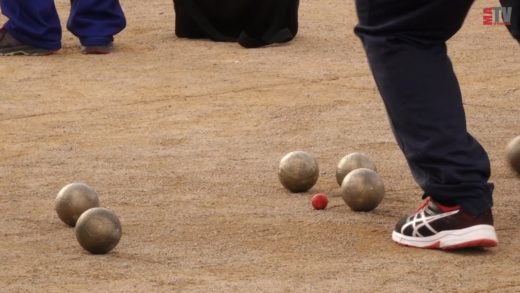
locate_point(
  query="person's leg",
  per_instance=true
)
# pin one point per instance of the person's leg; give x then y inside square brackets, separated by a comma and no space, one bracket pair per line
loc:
[34,23]
[95,22]
[514,27]
[405,44]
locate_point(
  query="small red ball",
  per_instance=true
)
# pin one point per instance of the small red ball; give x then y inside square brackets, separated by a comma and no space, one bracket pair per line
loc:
[319,201]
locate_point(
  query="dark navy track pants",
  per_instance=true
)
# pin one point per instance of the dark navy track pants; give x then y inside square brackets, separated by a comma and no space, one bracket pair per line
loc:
[36,22]
[405,41]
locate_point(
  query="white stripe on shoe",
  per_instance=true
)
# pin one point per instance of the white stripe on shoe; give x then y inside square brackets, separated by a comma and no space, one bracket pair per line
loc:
[421,220]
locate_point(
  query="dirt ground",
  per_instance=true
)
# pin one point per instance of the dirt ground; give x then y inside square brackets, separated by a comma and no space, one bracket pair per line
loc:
[182,140]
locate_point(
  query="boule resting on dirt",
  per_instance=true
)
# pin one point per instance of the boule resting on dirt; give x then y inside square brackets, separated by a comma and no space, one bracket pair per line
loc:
[351,162]
[298,171]
[98,230]
[74,199]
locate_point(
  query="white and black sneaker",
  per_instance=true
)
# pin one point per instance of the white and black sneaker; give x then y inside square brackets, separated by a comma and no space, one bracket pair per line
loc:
[436,226]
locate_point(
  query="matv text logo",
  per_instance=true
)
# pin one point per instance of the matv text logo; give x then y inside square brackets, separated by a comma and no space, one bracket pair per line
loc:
[497,15]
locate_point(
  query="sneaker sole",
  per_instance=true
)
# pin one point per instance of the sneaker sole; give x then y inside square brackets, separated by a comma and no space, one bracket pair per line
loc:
[96,50]
[475,236]
[26,53]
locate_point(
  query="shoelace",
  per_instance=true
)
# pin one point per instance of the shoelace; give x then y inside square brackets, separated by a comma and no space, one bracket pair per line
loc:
[443,208]
[425,203]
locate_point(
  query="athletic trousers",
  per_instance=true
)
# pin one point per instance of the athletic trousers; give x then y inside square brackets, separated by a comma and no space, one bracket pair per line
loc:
[405,42]
[36,22]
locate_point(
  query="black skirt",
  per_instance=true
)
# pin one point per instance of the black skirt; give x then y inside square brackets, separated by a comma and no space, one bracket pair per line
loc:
[251,23]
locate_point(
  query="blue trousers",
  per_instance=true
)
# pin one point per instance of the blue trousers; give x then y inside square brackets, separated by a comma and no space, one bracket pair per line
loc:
[36,22]
[405,41]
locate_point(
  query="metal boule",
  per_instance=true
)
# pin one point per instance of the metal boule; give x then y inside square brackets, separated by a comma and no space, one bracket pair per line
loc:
[98,230]
[362,190]
[73,200]
[298,171]
[351,162]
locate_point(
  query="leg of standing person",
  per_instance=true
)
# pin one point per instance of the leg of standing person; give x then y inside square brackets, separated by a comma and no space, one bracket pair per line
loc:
[405,41]
[95,22]
[33,27]
[514,26]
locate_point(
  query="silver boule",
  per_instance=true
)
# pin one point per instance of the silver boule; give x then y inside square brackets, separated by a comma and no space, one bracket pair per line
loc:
[73,200]
[98,230]
[362,190]
[298,171]
[351,162]
[513,154]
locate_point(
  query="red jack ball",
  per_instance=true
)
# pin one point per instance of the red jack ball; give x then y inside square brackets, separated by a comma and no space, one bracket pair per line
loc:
[319,201]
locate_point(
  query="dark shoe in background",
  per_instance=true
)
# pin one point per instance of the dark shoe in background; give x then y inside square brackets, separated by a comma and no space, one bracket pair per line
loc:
[9,46]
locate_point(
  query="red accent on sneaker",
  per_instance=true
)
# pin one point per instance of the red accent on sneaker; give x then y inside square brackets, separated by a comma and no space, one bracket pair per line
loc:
[446,209]
[435,245]
[424,204]
[443,208]
[96,51]
[475,243]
